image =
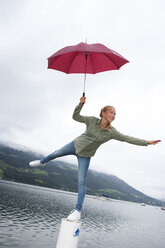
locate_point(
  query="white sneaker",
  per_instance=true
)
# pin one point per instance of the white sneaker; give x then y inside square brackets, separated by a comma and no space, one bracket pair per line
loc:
[36,163]
[74,216]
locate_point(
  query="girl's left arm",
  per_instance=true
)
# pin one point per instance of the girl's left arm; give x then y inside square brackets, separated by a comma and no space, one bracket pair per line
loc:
[135,141]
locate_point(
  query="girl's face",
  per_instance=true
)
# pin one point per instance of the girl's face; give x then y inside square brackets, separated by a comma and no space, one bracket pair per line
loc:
[109,114]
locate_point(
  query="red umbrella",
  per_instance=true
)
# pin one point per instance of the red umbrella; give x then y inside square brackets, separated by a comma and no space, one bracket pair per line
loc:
[86,58]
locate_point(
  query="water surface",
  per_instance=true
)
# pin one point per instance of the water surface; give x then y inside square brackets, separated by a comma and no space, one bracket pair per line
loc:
[30,217]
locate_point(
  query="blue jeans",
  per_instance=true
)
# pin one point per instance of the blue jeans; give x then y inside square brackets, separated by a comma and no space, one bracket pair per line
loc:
[83,165]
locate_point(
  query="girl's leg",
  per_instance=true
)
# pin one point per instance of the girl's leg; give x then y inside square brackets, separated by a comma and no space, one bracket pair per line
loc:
[65,150]
[83,165]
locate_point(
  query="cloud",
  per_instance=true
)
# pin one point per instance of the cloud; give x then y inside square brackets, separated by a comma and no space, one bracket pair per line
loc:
[37,104]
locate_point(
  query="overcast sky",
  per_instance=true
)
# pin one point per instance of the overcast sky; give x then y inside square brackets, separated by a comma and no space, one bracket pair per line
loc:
[37,103]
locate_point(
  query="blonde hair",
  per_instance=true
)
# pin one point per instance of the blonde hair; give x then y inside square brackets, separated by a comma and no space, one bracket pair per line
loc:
[105,109]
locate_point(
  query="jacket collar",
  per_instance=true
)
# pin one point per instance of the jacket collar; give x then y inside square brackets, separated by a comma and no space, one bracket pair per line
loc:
[99,122]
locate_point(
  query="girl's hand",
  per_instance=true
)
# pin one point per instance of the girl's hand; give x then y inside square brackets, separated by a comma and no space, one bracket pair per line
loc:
[153,142]
[82,100]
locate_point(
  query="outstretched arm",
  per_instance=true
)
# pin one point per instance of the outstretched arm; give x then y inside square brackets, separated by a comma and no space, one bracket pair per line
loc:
[136,141]
[153,142]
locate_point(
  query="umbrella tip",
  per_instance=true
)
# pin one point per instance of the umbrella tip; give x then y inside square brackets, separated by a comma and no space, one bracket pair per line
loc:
[86,40]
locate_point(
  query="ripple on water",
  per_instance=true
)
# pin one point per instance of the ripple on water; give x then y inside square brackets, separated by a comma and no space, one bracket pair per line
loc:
[31,216]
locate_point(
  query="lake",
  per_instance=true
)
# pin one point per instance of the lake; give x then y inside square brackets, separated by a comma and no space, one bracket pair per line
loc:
[30,217]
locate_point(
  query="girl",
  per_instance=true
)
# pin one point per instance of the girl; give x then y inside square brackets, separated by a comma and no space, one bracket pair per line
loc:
[98,131]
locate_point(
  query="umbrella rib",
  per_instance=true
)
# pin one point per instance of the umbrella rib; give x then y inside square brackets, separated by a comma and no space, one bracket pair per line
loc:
[111,60]
[72,62]
[92,63]
[49,65]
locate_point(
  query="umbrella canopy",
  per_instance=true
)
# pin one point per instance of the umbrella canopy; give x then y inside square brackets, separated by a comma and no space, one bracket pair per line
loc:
[86,58]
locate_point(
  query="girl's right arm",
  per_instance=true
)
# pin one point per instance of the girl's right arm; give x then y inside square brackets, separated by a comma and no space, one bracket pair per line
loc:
[76,114]
[82,100]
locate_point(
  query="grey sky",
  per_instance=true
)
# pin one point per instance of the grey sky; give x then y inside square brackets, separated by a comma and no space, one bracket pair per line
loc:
[37,104]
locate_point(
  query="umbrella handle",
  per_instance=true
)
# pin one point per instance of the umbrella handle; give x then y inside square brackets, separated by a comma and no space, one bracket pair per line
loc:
[83,94]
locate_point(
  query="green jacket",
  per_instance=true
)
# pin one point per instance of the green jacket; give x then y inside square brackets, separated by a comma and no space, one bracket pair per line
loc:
[87,143]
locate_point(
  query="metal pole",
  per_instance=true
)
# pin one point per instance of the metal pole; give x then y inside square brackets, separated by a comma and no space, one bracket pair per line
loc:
[84,84]
[86,56]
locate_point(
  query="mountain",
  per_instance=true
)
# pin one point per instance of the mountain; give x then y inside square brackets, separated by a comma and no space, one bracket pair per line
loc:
[14,166]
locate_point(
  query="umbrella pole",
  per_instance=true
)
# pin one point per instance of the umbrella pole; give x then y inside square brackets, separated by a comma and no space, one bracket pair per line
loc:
[86,56]
[84,84]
